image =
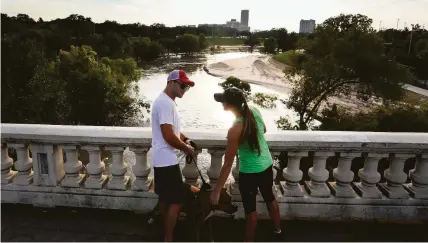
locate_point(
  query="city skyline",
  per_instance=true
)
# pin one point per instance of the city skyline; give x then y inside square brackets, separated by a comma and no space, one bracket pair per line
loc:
[263,15]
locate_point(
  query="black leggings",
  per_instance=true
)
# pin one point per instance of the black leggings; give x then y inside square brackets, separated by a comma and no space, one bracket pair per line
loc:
[248,185]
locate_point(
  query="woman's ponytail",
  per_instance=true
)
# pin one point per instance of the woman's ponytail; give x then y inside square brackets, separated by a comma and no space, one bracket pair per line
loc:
[250,132]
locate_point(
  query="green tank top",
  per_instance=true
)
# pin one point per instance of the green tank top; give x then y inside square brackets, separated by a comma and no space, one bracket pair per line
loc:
[251,161]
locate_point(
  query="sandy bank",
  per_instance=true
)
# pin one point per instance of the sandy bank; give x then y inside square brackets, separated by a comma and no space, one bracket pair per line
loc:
[263,70]
[257,69]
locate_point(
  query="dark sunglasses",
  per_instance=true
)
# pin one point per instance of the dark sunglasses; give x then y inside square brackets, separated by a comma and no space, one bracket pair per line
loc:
[182,85]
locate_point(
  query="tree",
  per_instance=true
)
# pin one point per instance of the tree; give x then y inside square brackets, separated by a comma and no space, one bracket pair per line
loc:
[270,46]
[392,118]
[29,91]
[345,57]
[97,91]
[203,42]
[252,41]
[237,83]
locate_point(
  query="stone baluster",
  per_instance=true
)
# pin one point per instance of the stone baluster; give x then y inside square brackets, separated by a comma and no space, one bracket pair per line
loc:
[370,177]
[118,169]
[292,175]
[190,172]
[48,164]
[344,176]
[7,174]
[141,169]
[275,154]
[72,168]
[215,167]
[418,188]
[235,173]
[23,165]
[395,177]
[317,186]
[95,168]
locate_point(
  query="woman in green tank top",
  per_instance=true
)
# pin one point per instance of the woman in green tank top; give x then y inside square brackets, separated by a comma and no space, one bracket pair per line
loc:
[246,138]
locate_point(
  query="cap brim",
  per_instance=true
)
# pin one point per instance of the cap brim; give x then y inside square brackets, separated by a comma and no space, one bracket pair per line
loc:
[188,82]
[218,97]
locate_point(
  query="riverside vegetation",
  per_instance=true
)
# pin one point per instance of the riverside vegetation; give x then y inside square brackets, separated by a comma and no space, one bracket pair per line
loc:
[75,71]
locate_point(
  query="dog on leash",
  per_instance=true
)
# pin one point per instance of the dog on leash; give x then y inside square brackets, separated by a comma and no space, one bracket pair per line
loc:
[198,208]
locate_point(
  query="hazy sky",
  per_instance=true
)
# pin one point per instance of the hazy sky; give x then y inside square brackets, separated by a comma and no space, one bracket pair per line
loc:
[264,14]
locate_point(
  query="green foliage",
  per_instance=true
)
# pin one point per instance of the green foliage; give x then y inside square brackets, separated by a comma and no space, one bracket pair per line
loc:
[394,118]
[252,41]
[270,45]
[75,88]
[284,123]
[237,83]
[203,42]
[188,43]
[142,48]
[264,100]
[289,58]
[97,91]
[29,91]
[409,47]
[344,57]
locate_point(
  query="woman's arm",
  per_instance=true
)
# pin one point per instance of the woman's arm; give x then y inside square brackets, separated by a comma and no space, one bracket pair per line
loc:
[232,146]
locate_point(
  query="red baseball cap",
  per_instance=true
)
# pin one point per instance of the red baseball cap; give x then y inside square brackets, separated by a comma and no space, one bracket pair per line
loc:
[180,75]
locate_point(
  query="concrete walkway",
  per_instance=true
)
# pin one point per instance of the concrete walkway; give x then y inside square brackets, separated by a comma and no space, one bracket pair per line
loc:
[26,223]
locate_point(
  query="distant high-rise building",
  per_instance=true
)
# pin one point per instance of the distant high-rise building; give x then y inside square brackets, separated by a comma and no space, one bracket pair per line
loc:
[307,26]
[245,15]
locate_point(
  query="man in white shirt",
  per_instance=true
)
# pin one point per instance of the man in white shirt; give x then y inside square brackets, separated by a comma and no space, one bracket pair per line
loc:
[167,139]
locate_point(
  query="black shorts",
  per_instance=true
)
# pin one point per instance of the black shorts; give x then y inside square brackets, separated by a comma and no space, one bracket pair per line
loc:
[169,184]
[248,185]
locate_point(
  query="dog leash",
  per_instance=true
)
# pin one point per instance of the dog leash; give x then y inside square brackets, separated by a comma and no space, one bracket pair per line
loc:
[190,158]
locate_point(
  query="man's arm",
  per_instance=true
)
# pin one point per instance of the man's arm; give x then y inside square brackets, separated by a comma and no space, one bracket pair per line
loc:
[173,140]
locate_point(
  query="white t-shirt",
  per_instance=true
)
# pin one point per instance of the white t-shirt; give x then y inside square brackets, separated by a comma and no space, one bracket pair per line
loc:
[164,112]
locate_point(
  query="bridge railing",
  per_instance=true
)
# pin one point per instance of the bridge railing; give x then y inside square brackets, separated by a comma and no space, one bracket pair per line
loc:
[327,174]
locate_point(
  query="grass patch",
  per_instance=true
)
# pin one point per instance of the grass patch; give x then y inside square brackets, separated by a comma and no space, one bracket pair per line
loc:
[414,98]
[219,41]
[285,57]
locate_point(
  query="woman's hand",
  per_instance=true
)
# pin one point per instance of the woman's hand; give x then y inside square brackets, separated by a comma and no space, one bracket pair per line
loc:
[215,196]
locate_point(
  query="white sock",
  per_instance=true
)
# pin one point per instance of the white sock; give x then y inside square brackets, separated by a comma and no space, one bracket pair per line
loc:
[277,231]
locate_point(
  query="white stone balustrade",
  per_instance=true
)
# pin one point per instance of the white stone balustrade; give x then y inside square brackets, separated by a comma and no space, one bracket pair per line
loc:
[72,168]
[45,179]
[215,166]
[7,174]
[141,169]
[369,176]
[23,165]
[118,169]
[317,186]
[293,175]
[418,188]
[395,177]
[344,176]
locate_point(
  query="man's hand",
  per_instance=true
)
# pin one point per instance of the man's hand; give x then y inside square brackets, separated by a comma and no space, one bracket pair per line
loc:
[190,150]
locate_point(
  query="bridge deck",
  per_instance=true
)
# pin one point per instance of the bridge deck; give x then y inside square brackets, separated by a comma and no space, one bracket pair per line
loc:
[26,223]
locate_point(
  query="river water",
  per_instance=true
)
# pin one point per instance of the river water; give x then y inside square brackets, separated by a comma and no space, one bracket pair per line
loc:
[197,108]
